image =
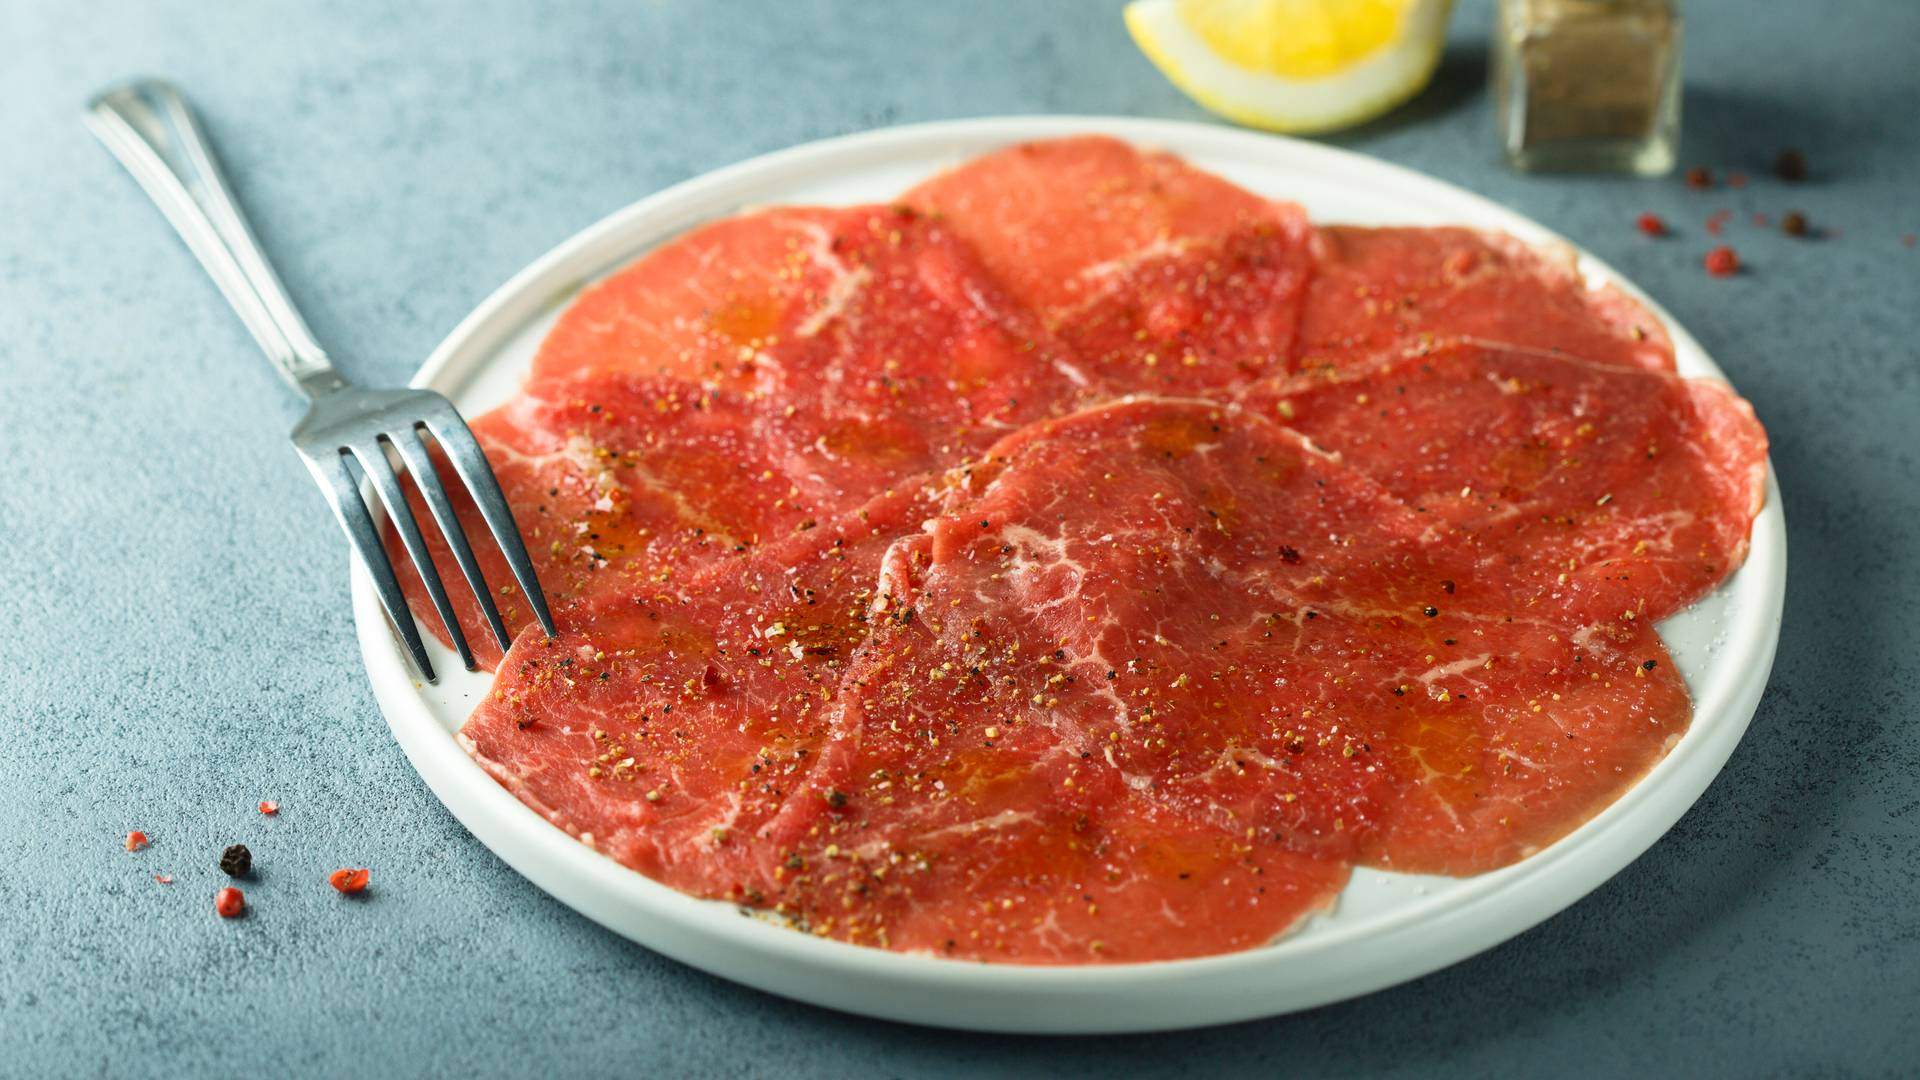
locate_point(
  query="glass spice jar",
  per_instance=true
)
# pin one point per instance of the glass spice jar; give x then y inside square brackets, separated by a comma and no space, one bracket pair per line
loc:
[1588,85]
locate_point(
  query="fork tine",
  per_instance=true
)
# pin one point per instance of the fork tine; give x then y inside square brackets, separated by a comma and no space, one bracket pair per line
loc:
[373,459]
[413,453]
[330,469]
[463,450]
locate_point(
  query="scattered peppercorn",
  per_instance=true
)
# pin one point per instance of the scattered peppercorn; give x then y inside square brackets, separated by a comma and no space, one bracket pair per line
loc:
[229,902]
[269,807]
[1651,664]
[1698,178]
[1651,225]
[349,881]
[1430,611]
[1794,223]
[236,861]
[1722,262]
[1790,165]
[136,840]
[1446,586]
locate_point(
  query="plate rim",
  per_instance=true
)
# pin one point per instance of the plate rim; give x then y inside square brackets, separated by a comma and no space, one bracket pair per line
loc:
[1031,998]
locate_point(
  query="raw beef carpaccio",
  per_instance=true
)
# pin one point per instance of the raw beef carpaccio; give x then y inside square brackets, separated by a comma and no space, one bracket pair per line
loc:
[1086,560]
[1377,291]
[1598,488]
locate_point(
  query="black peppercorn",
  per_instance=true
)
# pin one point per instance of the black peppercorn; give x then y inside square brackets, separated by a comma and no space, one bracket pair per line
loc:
[1790,165]
[236,861]
[1794,224]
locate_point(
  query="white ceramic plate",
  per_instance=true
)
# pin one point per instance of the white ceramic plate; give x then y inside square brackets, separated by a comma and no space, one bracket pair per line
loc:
[1387,928]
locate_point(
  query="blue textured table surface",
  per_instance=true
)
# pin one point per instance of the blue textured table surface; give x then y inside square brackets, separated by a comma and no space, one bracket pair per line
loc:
[177,605]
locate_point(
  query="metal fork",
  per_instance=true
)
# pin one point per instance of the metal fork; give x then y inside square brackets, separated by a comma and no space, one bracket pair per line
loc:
[148,126]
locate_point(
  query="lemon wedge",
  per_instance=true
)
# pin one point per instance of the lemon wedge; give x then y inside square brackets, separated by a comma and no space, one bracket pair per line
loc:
[1293,65]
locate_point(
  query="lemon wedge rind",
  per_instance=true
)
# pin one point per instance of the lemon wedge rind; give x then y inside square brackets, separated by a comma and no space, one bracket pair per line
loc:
[1365,88]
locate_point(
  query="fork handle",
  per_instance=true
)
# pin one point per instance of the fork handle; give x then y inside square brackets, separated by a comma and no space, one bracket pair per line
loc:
[148,126]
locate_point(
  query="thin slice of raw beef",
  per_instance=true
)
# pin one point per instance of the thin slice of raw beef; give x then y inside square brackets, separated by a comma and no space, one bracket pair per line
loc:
[618,483]
[869,315]
[1057,220]
[881,348]
[966,822]
[1206,316]
[902,353]
[1602,490]
[669,728]
[1508,734]
[700,307]
[1379,291]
